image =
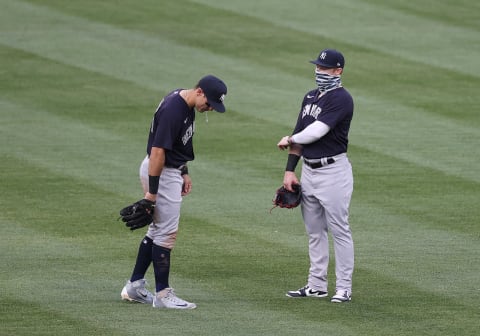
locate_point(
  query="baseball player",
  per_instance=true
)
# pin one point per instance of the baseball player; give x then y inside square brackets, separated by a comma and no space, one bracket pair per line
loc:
[321,138]
[164,177]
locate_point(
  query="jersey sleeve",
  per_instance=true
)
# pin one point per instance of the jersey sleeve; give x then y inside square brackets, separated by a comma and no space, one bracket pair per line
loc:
[168,127]
[164,135]
[299,125]
[336,109]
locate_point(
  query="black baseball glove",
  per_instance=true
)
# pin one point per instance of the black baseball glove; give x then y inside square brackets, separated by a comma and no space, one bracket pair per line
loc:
[138,214]
[287,199]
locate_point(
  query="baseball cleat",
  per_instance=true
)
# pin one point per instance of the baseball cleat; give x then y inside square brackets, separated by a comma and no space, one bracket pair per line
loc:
[167,299]
[136,292]
[341,296]
[306,292]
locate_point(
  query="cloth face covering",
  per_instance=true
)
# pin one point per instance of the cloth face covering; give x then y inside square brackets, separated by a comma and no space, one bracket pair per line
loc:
[326,81]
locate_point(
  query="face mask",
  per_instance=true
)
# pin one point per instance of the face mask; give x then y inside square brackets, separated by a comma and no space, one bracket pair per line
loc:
[326,81]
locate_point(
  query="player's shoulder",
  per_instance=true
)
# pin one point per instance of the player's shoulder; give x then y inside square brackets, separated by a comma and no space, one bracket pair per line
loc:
[342,92]
[171,102]
[172,97]
[340,95]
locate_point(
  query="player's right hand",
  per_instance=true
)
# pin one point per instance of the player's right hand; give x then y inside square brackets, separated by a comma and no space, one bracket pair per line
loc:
[150,197]
[283,143]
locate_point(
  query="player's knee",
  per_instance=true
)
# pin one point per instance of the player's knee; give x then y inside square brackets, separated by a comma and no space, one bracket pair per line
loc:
[167,241]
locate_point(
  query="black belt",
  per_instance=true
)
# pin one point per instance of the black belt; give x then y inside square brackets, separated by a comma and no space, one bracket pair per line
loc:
[176,167]
[319,164]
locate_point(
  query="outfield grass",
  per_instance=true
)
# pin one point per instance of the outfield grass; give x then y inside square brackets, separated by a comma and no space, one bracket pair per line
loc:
[79,82]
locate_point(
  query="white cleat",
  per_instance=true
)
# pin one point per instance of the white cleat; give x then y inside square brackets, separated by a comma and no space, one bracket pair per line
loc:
[136,292]
[306,292]
[341,296]
[167,299]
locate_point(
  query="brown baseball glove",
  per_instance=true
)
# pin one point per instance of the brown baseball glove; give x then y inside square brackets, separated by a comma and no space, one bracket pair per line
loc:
[287,199]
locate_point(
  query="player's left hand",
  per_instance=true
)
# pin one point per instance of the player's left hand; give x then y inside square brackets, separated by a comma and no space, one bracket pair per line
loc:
[138,214]
[187,185]
[289,180]
[287,198]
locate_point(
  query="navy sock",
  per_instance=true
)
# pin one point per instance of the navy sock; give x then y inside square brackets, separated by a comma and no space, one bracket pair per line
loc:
[161,266]
[144,258]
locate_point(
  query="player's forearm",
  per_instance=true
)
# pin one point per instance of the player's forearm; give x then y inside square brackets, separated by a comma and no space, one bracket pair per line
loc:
[296,149]
[311,133]
[294,154]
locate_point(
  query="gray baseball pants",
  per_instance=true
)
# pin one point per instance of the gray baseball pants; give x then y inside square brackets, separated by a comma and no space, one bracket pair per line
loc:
[326,194]
[166,218]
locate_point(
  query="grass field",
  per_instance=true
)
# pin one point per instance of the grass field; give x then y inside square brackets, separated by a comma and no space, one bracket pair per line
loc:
[79,82]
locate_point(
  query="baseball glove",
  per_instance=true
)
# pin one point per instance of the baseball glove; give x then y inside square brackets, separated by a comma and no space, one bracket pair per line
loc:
[287,199]
[138,214]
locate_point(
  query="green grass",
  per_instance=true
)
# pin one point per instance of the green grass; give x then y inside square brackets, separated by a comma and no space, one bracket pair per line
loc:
[79,82]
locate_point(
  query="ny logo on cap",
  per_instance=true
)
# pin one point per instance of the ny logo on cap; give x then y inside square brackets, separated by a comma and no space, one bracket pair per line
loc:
[323,55]
[222,97]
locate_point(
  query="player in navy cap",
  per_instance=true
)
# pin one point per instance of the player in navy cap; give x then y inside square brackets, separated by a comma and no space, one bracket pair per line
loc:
[215,91]
[165,179]
[330,58]
[321,138]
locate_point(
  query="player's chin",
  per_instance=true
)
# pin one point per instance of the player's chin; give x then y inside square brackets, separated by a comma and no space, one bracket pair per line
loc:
[205,108]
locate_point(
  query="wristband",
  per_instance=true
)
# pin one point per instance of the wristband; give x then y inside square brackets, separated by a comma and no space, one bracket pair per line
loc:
[292,162]
[184,170]
[153,184]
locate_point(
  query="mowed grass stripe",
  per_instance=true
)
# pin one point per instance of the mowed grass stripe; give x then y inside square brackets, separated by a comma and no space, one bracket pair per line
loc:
[462,13]
[133,56]
[237,36]
[386,30]
[417,136]
[15,322]
[69,148]
[233,38]
[403,188]
[168,46]
[438,261]
[71,91]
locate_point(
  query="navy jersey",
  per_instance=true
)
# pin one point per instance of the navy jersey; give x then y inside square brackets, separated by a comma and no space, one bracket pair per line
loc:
[334,108]
[172,129]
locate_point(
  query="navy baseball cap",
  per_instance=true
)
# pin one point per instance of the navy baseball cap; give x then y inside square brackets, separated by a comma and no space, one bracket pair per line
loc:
[215,90]
[330,58]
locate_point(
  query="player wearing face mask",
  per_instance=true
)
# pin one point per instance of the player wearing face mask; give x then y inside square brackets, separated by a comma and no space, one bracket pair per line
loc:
[321,138]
